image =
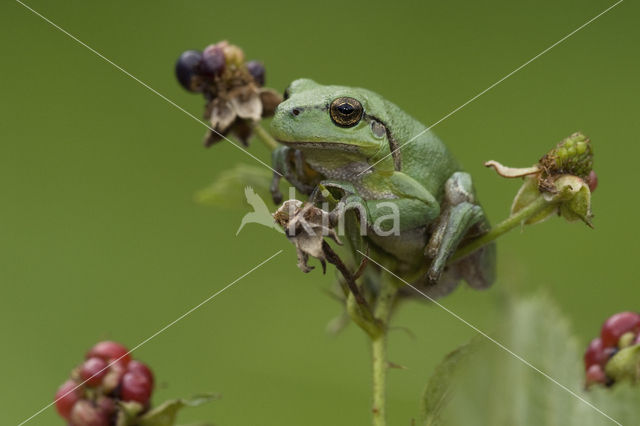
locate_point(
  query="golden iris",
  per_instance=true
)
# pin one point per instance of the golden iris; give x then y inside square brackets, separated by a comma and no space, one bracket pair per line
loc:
[346,112]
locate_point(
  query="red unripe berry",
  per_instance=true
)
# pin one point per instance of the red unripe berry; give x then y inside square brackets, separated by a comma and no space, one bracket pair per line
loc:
[135,387]
[85,413]
[141,368]
[93,370]
[617,325]
[595,354]
[595,374]
[66,397]
[592,181]
[110,351]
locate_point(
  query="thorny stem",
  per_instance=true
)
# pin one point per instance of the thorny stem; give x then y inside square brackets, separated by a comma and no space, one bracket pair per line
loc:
[265,137]
[357,305]
[517,219]
[380,363]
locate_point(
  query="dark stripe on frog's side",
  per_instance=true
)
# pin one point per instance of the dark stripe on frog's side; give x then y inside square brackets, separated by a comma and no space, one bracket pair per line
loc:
[425,158]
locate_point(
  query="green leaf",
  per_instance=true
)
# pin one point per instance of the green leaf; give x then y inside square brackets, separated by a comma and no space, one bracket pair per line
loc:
[128,412]
[198,424]
[228,190]
[165,414]
[493,387]
[438,390]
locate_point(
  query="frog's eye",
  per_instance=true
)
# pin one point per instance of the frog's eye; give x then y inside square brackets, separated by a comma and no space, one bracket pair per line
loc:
[346,112]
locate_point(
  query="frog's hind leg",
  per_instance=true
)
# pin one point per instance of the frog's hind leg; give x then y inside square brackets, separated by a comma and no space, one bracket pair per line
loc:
[433,290]
[459,215]
[479,268]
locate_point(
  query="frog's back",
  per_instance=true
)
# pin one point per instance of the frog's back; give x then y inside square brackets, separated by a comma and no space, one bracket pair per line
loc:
[423,156]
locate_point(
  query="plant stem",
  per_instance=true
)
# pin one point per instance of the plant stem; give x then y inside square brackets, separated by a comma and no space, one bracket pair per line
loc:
[386,297]
[535,207]
[265,137]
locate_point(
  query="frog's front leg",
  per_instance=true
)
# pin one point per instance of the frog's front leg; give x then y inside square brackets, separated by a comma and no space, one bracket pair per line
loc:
[349,199]
[459,214]
[289,163]
[389,206]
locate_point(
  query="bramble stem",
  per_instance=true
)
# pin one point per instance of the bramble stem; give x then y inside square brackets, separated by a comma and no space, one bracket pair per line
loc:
[382,311]
[535,207]
[265,137]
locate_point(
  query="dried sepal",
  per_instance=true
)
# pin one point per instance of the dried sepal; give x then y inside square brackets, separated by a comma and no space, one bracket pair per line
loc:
[246,104]
[222,114]
[512,172]
[306,226]
[574,198]
[270,100]
[527,194]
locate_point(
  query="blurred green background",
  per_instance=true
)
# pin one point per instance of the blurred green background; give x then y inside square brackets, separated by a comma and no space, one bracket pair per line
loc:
[100,236]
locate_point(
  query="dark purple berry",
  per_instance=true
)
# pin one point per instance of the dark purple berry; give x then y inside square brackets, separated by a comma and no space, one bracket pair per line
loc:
[257,71]
[188,67]
[213,61]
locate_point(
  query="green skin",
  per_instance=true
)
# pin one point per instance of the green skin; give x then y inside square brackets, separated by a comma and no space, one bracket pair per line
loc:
[434,198]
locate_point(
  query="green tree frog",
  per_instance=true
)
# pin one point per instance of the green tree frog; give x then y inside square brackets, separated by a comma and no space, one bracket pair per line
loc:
[354,141]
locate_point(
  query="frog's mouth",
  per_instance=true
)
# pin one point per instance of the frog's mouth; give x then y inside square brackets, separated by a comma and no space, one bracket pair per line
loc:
[328,146]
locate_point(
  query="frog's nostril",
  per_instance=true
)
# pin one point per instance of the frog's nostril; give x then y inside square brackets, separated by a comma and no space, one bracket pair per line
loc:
[295,111]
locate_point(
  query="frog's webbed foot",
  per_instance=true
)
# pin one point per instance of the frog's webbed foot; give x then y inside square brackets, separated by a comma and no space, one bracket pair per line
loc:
[458,216]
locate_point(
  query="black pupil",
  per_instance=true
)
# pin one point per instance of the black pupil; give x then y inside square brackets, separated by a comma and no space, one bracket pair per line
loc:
[346,109]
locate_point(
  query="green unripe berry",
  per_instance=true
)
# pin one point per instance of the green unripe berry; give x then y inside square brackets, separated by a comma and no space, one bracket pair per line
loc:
[626,339]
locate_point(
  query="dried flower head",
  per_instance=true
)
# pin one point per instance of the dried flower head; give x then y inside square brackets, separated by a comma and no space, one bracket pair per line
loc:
[233,89]
[306,226]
